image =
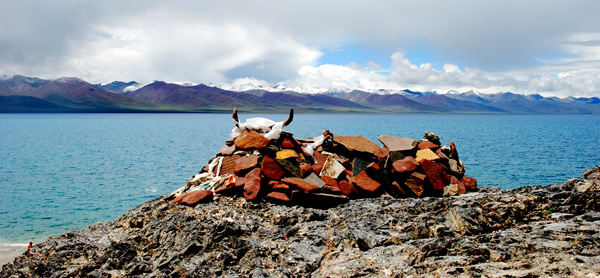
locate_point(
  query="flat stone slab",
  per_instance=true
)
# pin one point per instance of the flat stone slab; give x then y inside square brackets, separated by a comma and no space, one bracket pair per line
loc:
[398,144]
[359,144]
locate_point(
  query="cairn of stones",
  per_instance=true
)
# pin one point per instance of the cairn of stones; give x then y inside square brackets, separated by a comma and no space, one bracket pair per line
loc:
[264,164]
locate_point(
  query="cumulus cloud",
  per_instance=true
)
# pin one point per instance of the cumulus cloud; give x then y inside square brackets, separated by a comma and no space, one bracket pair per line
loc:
[526,47]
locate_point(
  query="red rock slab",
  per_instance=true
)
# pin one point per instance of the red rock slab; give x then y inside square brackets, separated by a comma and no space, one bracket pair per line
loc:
[346,187]
[317,168]
[428,145]
[364,182]
[251,140]
[246,162]
[271,169]
[231,183]
[359,144]
[301,184]
[278,196]
[227,150]
[305,169]
[453,151]
[400,189]
[194,197]
[470,183]
[329,181]
[461,186]
[319,158]
[281,186]
[252,185]
[228,165]
[435,173]
[408,164]
[384,151]
[332,189]
[287,144]
[415,183]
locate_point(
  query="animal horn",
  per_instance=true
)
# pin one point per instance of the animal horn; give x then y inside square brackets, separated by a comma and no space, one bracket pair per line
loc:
[235,116]
[290,118]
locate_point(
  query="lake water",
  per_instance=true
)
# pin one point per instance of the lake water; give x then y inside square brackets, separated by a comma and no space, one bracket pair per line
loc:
[60,172]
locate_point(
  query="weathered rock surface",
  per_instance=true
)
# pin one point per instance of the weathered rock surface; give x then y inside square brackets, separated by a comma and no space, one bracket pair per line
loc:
[535,231]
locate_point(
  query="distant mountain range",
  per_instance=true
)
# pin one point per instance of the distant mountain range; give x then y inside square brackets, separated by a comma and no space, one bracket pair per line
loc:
[68,94]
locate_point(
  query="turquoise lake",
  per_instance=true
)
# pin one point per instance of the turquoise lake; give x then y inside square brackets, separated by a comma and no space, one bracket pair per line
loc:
[60,172]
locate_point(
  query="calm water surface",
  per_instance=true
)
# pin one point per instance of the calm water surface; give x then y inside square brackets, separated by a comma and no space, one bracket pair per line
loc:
[60,172]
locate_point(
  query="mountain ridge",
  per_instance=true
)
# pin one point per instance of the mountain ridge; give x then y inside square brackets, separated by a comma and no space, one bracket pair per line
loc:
[71,94]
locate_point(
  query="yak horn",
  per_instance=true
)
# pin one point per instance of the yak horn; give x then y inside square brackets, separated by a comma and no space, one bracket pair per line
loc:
[235,116]
[290,118]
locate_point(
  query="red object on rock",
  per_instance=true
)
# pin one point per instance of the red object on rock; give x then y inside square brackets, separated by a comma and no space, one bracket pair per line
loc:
[346,187]
[364,182]
[470,183]
[194,197]
[428,145]
[407,164]
[301,184]
[435,173]
[271,169]
[251,140]
[329,181]
[246,162]
[252,185]
[461,186]
[278,196]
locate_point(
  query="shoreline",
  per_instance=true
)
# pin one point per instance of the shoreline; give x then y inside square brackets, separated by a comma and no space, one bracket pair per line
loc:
[8,252]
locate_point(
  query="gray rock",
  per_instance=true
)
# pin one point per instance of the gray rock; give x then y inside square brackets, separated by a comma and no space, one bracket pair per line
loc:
[531,231]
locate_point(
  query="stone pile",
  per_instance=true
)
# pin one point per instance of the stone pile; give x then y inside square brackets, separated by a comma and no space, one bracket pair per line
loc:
[327,170]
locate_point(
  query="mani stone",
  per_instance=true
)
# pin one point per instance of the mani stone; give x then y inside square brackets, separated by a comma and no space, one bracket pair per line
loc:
[194,197]
[286,153]
[459,184]
[426,154]
[227,150]
[366,183]
[415,183]
[313,178]
[428,145]
[246,162]
[359,144]
[251,140]
[408,164]
[271,169]
[346,187]
[398,144]
[329,181]
[332,168]
[435,173]
[470,182]
[278,196]
[301,184]
[252,185]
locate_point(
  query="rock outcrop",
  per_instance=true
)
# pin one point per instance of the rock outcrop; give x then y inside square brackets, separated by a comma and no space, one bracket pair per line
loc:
[525,232]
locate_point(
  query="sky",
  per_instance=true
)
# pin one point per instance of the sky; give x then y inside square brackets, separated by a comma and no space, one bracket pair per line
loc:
[544,47]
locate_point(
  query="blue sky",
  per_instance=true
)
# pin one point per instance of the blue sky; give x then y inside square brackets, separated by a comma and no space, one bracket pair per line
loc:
[546,47]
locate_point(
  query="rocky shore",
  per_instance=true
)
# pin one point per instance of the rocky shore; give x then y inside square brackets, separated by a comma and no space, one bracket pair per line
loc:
[525,232]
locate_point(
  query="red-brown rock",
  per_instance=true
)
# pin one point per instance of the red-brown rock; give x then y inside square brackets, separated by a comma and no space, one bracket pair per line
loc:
[301,184]
[415,183]
[231,184]
[271,169]
[317,168]
[332,189]
[435,173]
[329,181]
[227,150]
[281,186]
[227,165]
[246,162]
[252,185]
[278,196]
[346,187]
[319,158]
[461,186]
[453,151]
[398,144]
[359,144]
[364,182]
[408,164]
[194,197]
[305,169]
[428,145]
[287,143]
[470,183]
[251,140]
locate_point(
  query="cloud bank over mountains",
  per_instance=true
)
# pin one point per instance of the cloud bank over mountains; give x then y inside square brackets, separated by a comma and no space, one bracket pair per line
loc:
[546,47]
